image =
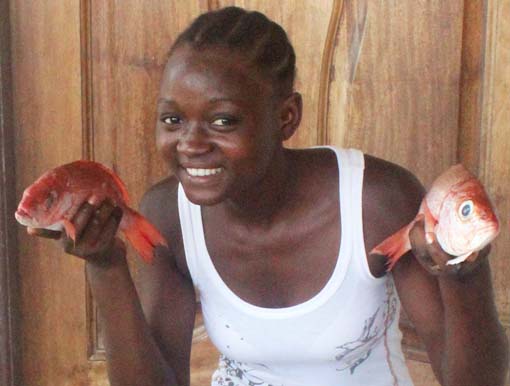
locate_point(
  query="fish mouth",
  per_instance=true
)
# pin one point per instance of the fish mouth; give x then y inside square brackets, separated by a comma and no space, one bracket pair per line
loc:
[485,236]
[22,215]
[24,218]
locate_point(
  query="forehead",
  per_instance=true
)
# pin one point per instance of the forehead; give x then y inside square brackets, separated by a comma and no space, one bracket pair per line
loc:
[213,71]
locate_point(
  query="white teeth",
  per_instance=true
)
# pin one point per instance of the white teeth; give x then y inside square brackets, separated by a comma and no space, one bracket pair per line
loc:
[203,172]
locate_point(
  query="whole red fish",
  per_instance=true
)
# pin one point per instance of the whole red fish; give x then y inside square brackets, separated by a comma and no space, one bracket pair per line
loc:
[457,210]
[55,197]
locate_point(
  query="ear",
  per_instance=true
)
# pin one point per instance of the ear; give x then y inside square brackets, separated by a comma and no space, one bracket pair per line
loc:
[291,112]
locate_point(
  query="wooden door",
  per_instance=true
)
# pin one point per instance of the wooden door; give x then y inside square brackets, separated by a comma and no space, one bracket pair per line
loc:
[413,82]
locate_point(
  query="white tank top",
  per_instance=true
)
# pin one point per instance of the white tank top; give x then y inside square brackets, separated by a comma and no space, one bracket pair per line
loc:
[345,335]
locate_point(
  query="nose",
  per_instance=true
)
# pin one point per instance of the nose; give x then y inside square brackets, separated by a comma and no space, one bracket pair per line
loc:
[194,141]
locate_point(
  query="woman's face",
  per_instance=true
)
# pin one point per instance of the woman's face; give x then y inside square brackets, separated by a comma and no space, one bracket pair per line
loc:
[217,125]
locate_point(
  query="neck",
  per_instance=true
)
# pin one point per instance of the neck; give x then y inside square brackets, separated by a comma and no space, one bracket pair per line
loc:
[262,203]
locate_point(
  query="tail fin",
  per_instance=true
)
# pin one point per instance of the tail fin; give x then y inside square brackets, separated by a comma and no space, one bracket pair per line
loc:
[394,246]
[142,235]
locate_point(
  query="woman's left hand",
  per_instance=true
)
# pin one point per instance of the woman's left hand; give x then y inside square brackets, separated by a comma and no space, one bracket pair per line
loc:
[432,257]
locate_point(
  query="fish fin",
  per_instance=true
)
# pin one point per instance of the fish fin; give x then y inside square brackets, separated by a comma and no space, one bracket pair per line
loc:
[141,234]
[394,246]
[459,259]
[70,229]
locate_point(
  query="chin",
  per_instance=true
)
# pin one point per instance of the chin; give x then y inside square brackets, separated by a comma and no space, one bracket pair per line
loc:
[204,197]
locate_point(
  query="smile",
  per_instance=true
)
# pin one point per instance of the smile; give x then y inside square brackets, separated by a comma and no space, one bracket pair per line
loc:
[203,172]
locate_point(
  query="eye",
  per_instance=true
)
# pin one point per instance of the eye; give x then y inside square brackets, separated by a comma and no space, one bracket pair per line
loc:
[222,122]
[466,209]
[171,120]
[225,122]
[48,203]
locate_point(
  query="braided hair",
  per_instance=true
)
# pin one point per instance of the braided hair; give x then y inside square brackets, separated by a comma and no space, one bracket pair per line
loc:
[261,41]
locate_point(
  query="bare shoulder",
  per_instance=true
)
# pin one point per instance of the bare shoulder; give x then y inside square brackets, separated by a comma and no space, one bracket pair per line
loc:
[392,194]
[159,204]
[391,199]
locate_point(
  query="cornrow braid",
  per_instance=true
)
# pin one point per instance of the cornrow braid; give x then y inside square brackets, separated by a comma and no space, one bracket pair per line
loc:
[261,41]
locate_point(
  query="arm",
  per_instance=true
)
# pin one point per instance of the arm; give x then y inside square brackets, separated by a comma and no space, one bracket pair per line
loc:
[165,287]
[453,311]
[147,329]
[160,324]
[135,353]
[458,322]
[475,346]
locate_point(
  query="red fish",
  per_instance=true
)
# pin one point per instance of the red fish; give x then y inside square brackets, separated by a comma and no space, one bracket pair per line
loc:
[457,210]
[55,197]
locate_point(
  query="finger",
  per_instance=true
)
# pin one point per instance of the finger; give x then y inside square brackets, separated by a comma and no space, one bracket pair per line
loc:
[472,262]
[46,233]
[425,245]
[417,236]
[435,251]
[485,251]
[473,257]
[97,237]
[97,223]
[107,236]
[426,249]
[82,217]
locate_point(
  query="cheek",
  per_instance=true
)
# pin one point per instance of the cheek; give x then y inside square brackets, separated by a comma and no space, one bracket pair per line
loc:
[457,234]
[165,144]
[256,144]
[248,155]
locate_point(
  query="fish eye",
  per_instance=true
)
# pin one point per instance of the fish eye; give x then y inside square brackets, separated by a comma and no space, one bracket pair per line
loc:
[466,209]
[50,200]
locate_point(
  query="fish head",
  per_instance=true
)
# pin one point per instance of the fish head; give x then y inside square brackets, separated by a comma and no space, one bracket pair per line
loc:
[467,220]
[41,204]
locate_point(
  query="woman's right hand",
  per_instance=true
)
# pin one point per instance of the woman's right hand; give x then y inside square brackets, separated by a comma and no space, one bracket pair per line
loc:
[96,227]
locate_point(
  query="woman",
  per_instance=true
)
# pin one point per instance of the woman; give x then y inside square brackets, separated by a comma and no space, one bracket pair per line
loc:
[275,241]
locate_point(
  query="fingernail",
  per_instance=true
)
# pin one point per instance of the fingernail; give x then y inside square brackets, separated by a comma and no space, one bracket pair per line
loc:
[428,238]
[93,200]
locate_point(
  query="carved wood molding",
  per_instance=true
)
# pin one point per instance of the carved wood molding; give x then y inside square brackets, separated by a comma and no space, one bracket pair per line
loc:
[471,84]
[86,80]
[10,373]
[325,74]
[95,347]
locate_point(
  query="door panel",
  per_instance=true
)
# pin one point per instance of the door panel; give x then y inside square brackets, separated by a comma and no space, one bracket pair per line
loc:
[47,113]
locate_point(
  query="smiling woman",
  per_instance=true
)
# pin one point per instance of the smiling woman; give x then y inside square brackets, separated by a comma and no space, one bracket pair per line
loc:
[202,107]
[290,296]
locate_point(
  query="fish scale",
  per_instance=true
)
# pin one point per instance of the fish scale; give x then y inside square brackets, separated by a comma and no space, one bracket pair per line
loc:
[457,210]
[55,197]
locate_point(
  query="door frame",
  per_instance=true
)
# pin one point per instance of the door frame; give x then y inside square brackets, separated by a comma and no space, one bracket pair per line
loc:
[10,373]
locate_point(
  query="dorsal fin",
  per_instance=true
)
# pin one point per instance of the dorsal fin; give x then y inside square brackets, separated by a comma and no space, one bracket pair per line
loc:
[116,178]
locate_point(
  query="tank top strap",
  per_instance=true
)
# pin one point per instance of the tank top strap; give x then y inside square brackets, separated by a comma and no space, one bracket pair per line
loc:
[190,215]
[351,166]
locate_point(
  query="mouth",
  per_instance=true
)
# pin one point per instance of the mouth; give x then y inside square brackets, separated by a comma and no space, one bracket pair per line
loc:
[23,217]
[203,172]
[486,235]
